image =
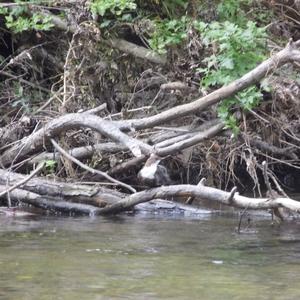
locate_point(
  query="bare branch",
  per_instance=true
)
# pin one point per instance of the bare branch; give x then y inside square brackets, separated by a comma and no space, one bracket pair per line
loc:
[36,141]
[26,179]
[228,198]
[80,152]
[289,54]
[93,171]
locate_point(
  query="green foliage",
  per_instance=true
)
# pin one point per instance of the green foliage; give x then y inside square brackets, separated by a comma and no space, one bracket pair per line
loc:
[35,22]
[231,10]
[19,18]
[50,166]
[249,98]
[168,33]
[112,10]
[173,6]
[235,51]
[224,113]
[114,7]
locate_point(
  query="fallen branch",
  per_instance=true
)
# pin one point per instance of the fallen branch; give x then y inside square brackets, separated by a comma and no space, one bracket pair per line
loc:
[44,186]
[177,85]
[171,146]
[38,192]
[271,149]
[79,152]
[203,192]
[36,141]
[137,51]
[196,139]
[290,53]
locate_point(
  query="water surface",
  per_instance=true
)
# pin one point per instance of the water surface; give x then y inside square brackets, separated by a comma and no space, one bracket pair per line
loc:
[135,257]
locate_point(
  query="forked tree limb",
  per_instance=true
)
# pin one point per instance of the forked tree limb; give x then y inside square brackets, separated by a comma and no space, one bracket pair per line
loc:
[174,145]
[37,140]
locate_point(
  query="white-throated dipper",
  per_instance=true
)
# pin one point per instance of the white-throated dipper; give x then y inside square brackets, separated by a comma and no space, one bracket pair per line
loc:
[153,174]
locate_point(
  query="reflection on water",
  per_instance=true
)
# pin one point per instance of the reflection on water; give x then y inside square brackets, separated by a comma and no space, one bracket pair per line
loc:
[147,258]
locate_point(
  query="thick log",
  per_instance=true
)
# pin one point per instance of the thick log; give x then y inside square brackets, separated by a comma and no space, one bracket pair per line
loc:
[51,203]
[70,192]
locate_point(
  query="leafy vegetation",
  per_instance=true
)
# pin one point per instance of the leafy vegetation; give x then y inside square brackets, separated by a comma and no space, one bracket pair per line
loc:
[231,10]
[19,18]
[114,7]
[234,45]
[168,33]
[50,166]
[235,51]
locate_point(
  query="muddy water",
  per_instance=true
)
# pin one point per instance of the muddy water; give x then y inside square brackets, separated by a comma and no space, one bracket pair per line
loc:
[147,258]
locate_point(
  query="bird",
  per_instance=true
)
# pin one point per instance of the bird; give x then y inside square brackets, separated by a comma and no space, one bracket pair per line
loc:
[152,174]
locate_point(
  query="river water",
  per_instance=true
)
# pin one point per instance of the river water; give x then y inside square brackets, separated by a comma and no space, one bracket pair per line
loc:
[148,257]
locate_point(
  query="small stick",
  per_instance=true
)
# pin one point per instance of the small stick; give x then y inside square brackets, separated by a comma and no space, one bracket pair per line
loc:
[26,179]
[279,188]
[231,195]
[84,166]
[191,199]
[272,194]
[95,110]
[267,182]
[240,219]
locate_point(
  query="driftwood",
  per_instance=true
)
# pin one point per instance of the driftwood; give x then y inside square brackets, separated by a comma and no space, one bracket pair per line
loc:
[50,203]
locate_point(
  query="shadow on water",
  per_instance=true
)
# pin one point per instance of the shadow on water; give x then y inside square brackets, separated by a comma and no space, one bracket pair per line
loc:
[152,257]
